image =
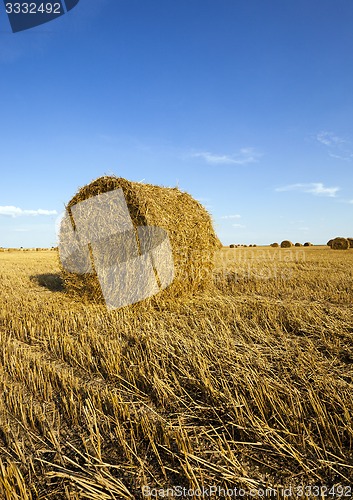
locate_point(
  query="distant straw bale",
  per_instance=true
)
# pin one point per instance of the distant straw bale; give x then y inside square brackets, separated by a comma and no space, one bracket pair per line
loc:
[308,244]
[274,245]
[286,244]
[298,245]
[188,224]
[350,240]
[340,244]
[329,243]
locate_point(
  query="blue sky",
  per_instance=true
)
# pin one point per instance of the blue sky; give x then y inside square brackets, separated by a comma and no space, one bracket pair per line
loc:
[247,105]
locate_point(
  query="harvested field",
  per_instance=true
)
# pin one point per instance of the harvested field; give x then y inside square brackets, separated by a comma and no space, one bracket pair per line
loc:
[247,384]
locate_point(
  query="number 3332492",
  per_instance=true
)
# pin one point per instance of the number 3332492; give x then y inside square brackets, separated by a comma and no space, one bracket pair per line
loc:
[33,8]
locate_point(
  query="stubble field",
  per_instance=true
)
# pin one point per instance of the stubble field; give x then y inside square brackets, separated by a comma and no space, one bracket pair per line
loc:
[247,385]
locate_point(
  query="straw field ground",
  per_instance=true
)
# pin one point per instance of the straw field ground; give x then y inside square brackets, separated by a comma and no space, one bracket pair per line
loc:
[245,385]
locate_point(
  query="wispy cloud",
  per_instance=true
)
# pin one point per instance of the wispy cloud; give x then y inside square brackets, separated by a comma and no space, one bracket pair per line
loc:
[315,188]
[235,216]
[345,157]
[338,148]
[329,138]
[243,157]
[12,211]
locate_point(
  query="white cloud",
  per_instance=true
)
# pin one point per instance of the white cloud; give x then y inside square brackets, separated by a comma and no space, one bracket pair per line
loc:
[12,211]
[315,188]
[347,157]
[235,216]
[338,148]
[243,157]
[238,225]
[329,138]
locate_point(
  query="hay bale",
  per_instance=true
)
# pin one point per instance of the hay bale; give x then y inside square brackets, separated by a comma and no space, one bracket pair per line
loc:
[308,244]
[329,243]
[350,240]
[286,244]
[340,244]
[192,238]
[232,246]
[254,245]
[274,245]
[298,245]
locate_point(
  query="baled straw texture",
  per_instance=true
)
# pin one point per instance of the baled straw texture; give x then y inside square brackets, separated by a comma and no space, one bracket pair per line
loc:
[329,243]
[188,224]
[298,244]
[308,244]
[275,245]
[340,244]
[286,244]
[350,240]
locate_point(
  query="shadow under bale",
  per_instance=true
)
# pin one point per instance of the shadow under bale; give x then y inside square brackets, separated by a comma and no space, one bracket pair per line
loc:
[52,282]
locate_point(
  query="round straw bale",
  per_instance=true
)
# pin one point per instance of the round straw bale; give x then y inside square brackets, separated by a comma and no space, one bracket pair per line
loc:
[286,244]
[350,242]
[329,243]
[231,246]
[308,244]
[298,245]
[188,224]
[275,245]
[340,244]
